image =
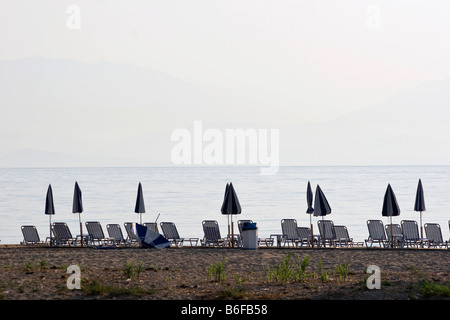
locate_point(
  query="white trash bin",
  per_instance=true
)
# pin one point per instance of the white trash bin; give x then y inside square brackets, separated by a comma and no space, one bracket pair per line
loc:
[249,236]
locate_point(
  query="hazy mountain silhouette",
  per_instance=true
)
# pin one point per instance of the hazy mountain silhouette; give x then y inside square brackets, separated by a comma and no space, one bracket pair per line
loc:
[408,128]
[94,113]
[106,109]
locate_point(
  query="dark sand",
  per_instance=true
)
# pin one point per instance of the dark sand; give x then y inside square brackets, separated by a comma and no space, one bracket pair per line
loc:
[40,273]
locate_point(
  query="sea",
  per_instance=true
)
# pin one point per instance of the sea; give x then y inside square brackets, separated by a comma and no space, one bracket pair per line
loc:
[187,195]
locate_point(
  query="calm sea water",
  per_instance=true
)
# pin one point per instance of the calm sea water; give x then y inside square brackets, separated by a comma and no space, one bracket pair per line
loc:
[189,195]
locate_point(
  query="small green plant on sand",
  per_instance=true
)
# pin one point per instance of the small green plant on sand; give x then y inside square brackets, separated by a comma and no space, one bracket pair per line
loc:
[323,275]
[235,293]
[131,270]
[432,289]
[96,288]
[239,279]
[342,270]
[217,270]
[28,266]
[289,270]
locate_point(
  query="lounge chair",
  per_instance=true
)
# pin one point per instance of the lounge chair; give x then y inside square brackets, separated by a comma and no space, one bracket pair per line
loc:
[327,232]
[394,235]
[289,232]
[411,236]
[171,233]
[96,234]
[305,236]
[115,234]
[152,225]
[268,242]
[343,237]
[62,234]
[434,235]
[131,238]
[30,235]
[377,233]
[212,234]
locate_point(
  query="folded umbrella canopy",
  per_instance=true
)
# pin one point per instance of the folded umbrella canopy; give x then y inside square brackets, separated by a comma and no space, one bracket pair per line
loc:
[149,238]
[390,204]
[420,204]
[77,206]
[140,206]
[390,208]
[49,208]
[231,203]
[231,206]
[321,205]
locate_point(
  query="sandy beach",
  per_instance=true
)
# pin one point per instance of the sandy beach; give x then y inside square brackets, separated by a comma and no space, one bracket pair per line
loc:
[40,273]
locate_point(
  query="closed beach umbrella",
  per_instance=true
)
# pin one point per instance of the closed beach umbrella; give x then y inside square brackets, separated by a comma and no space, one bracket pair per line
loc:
[77,206]
[420,204]
[140,206]
[309,199]
[231,206]
[231,203]
[321,205]
[310,209]
[49,208]
[390,207]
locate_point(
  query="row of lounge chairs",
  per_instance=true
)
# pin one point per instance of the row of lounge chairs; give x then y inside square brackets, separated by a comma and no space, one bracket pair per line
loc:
[329,234]
[404,234]
[62,236]
[332,235]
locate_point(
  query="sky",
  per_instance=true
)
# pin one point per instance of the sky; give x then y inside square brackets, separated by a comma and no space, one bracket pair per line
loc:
[324,58]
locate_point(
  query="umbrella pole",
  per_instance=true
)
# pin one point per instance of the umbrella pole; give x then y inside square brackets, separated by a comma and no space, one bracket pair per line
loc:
[232,232]
[50,223]
[81,228]
[229,230]
[323,230]
[392,233]
[156,222]
[421,229]
[312,233]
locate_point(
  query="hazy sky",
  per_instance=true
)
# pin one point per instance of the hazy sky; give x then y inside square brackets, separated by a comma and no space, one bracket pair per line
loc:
[329,57]
[333,56]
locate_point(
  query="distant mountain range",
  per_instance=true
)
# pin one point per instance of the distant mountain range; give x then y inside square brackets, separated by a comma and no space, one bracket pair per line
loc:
[411,127]
[57,112]
[29,158]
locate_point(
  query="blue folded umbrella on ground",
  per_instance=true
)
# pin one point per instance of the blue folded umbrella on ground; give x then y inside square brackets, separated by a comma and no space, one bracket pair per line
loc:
[149,238]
